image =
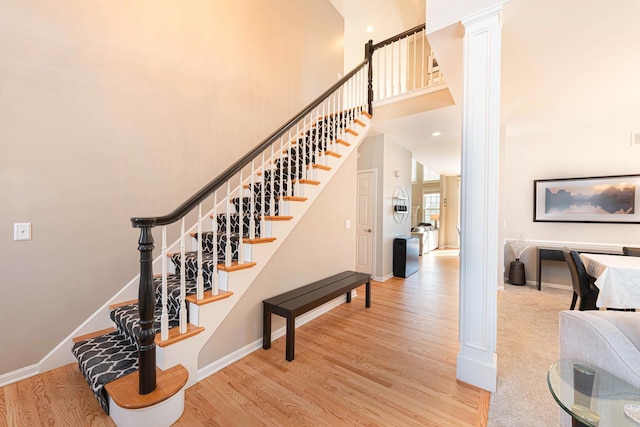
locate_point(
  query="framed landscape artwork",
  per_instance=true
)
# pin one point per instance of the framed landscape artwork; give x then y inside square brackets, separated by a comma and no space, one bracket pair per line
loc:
[609,199]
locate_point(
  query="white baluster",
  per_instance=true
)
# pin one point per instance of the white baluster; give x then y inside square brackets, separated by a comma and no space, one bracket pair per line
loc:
[298,159]
[289,169]
[335,120]
[183,282]
[424,72]
[263,201]
[415,59]
[241,221]
[164,317]
[252,216]
[200,280]
[227,249]
[282,166]
[273,188]
[214,273]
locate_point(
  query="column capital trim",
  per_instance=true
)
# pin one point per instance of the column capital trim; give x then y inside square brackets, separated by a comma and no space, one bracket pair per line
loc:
[489,12]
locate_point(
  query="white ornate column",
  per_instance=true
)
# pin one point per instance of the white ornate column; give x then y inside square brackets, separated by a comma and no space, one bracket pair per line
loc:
[479,275]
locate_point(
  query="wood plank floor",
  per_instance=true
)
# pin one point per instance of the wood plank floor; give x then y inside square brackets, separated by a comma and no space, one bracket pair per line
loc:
[391,365]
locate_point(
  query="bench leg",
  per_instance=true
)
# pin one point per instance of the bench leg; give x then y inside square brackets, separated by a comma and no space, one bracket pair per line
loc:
[368,294]
[349,296]
[266,327]
[291,337]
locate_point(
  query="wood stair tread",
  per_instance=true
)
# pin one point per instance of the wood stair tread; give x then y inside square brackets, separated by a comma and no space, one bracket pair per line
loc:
[125,391]
[292,198]
[235,266]
[306,181]
[209,297]
[322,167]
[332,154]
[343,142]
[258,240]
[359,122]
[175,335]
[277,217]
[92,335]
[352,132]
[366,114]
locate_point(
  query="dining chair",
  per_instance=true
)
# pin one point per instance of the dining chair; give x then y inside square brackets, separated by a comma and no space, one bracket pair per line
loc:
[583,287]
[629,251]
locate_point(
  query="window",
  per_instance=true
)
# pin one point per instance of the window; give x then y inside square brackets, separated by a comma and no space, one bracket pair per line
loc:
[430,205]
[429,175]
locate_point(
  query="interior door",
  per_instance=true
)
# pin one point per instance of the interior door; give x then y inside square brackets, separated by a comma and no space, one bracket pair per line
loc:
[365,217]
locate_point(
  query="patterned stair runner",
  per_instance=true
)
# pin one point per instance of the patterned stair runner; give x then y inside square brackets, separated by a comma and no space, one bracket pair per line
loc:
[108,357]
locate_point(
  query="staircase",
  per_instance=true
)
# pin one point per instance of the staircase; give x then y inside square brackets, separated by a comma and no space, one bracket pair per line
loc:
[139,367]
[192,291]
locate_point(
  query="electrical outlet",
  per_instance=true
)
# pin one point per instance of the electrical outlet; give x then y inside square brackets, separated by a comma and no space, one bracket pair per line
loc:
[347,224]
[22,231]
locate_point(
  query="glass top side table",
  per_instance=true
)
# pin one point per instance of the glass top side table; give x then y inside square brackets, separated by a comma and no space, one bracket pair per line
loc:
[592,396]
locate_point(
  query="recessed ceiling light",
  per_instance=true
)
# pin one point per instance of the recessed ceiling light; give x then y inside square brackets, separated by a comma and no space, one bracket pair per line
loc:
[369,29]
[436,133]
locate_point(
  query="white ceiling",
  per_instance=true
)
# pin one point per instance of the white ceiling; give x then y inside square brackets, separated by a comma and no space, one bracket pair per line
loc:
[564,64]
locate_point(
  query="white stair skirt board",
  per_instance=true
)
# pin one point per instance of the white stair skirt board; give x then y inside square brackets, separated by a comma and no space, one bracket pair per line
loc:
[162,414]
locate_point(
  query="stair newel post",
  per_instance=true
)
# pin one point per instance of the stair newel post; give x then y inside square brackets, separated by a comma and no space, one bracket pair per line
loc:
[214,228]
[164,317]
[200,280]
[227,249]
[241,220]
[146,305]
[183,281]
[368,53]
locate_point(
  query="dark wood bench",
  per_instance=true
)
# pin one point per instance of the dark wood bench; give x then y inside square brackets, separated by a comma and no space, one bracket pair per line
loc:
[298,301]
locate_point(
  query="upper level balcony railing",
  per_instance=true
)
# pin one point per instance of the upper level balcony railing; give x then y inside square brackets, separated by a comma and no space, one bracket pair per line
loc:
[402,64]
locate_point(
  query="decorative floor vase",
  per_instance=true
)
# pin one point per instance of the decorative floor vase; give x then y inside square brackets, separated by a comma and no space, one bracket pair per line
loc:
[516,273]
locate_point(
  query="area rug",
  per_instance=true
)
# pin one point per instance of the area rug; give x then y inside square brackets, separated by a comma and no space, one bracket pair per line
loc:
[527,345]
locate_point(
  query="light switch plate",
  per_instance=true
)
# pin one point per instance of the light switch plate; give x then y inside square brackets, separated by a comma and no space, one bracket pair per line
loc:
[22,231]
[347,224]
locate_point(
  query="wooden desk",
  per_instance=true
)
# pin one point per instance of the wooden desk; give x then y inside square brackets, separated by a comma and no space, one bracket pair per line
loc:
[555,254]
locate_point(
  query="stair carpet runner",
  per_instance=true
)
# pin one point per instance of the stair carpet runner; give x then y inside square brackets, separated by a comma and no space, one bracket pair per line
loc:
[114,355]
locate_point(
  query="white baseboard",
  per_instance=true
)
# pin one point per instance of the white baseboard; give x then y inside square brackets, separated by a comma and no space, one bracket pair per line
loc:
[383,278]
[19,374]
[230,358]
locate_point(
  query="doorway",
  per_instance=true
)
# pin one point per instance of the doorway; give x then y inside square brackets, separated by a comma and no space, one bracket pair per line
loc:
[365,221]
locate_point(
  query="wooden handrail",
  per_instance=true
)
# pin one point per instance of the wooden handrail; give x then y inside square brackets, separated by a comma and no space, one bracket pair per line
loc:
[397,37]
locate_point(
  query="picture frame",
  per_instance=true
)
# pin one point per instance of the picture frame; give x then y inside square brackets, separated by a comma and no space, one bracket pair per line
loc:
[599,199]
